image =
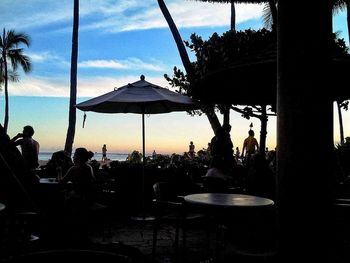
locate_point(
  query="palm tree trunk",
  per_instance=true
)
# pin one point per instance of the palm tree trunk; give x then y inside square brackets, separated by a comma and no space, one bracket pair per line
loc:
[178,40]
[6,118]
[263,130]
[233,16]
[213,119]
[233,27]
[348,16]
[73,81]
[341,127]
[273,9]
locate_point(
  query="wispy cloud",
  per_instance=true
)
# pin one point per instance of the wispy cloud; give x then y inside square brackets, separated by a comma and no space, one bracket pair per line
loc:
[44,56]
[117,16]
[206,14]
[87,87]
[130,63]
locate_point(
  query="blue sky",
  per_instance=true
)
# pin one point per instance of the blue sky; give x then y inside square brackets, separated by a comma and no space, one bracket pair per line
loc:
[118,41]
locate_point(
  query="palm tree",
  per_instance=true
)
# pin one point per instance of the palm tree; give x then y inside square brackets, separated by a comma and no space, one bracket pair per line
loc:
[209,111]
[13,55]
[178,40]
[73,81]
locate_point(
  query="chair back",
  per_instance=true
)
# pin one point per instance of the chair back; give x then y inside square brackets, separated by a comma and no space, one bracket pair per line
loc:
[164,191]
[215,184]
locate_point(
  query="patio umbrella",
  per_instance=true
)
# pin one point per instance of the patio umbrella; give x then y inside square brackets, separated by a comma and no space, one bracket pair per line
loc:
[139,97]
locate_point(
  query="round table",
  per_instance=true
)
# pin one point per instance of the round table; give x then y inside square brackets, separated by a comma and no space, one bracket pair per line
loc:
[228,200]
[217,204]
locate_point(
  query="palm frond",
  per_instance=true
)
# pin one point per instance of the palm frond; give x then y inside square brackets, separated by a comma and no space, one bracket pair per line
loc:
[17,57]
[267,16]
[339,6]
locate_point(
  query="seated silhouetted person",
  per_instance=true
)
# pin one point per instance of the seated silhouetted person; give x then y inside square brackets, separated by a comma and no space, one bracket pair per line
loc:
[215,180]
[79,187]
[60,162]
[79,182]
[260,178]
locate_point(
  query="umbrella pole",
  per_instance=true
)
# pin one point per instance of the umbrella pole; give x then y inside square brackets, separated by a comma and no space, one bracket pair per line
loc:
[143,164]
[143,216]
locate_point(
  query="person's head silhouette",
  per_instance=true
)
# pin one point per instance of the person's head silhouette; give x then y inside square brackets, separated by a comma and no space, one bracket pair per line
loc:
[28,131]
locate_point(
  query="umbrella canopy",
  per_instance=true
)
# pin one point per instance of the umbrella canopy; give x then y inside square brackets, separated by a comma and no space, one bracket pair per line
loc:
[139,97]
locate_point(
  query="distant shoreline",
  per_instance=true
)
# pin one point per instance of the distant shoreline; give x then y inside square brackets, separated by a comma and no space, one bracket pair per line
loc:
[44,162]
[45,156]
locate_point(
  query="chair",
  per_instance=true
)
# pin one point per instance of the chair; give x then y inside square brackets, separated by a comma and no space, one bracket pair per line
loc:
[19,230]
[169,208]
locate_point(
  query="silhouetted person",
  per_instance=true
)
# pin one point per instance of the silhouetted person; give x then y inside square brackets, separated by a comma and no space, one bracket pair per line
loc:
[215,180]
[58,165]
[80,181]
[104,153]
[222,151]
[250,146]
[29,147]
[191,148]
[79,185]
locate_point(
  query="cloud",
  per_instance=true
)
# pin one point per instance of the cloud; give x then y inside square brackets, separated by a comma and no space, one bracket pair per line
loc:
[87,87]
[35,86]
[44,56]
[117,16]
[130,63]
[206,14]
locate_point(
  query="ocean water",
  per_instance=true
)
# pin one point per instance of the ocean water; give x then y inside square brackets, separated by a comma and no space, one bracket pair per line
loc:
[45,156]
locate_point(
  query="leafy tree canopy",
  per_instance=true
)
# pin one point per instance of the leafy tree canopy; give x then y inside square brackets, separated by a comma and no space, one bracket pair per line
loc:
[234,48]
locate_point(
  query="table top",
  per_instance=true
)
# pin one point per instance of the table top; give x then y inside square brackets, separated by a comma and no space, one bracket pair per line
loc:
[228,200]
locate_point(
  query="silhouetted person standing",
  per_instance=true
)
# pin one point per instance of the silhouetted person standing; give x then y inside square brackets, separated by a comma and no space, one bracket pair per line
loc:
[104,153]
[191,151]
[250,146]
[29,147]
[222,151]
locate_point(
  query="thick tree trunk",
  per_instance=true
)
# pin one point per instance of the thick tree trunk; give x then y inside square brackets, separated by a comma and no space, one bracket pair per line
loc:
[304,132]
[212,118]
[73,81]
[226,113]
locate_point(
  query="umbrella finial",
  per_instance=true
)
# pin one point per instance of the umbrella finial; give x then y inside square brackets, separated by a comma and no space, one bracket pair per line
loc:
[142,77]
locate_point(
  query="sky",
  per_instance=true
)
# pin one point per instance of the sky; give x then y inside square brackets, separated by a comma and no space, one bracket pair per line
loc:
[118,41]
